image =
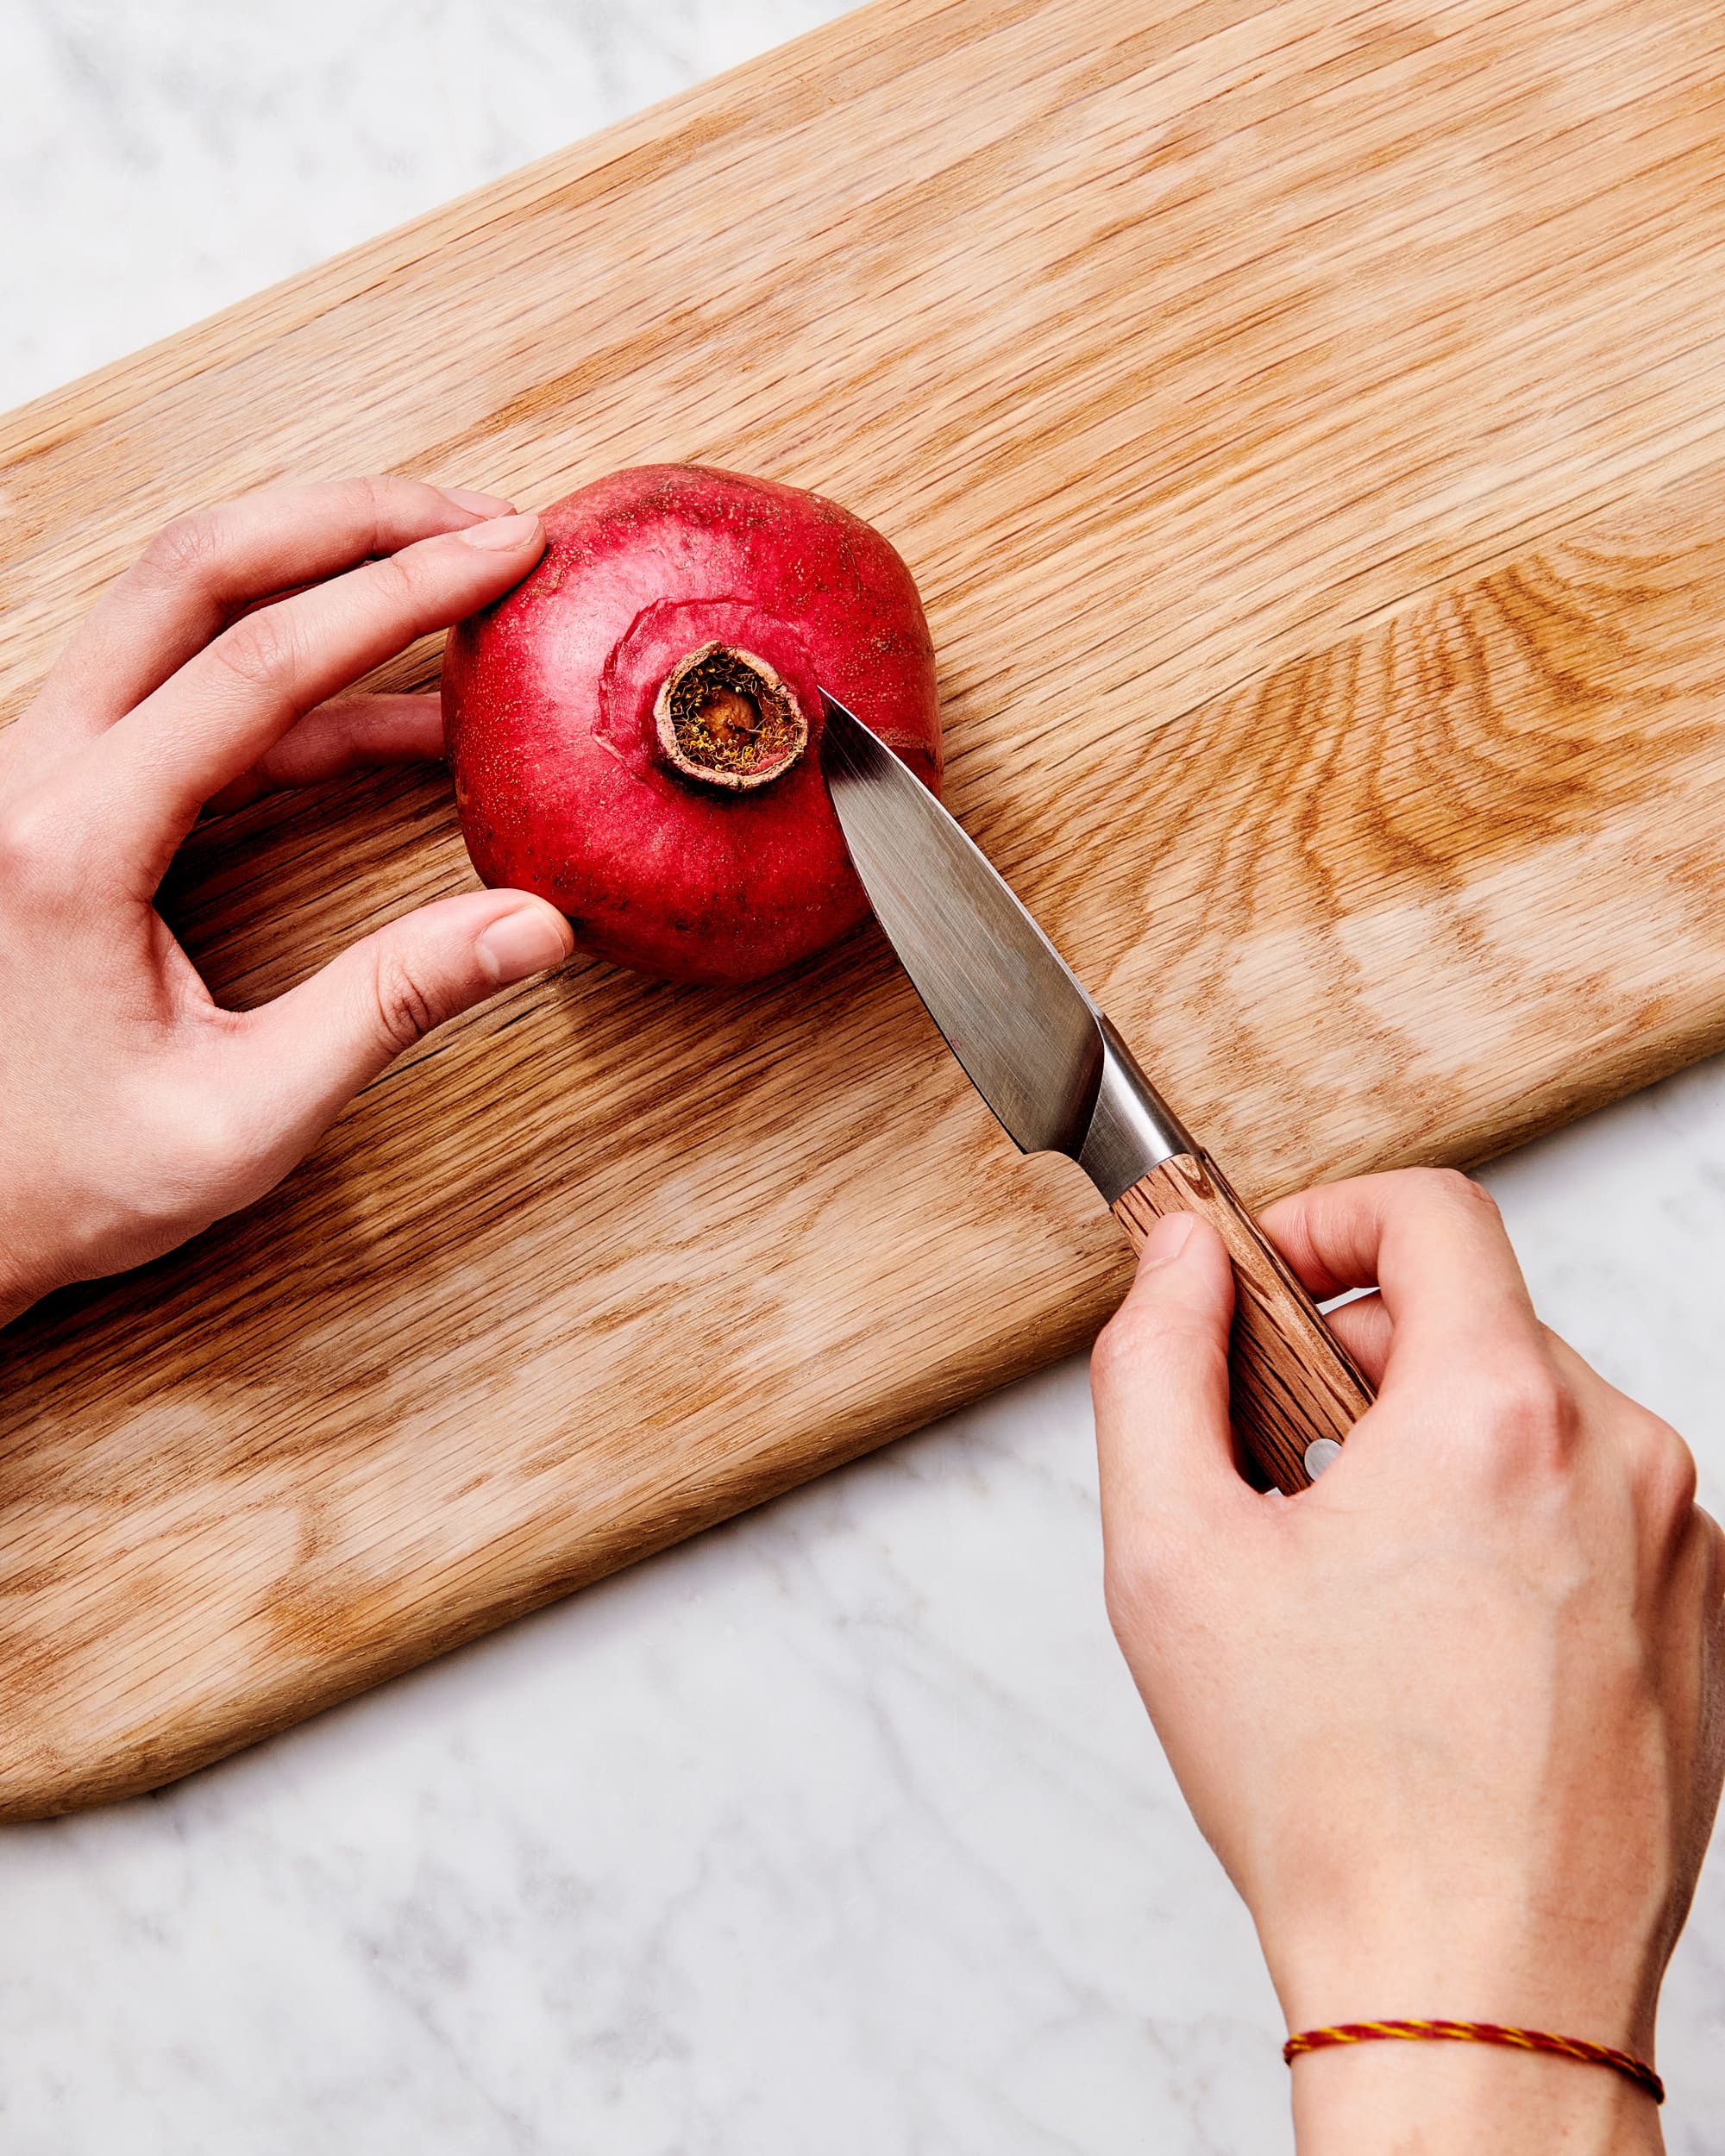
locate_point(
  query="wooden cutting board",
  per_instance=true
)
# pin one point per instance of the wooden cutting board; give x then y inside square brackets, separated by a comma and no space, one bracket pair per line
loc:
[1307,425]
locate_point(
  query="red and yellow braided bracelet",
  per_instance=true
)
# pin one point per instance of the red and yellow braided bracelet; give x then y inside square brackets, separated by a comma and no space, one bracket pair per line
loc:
[1621,2062]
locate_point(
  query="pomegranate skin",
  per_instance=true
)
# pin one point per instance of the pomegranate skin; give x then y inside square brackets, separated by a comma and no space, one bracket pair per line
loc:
[563,787]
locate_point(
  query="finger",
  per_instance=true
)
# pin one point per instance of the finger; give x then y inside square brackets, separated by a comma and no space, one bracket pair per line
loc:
[225,709]
[1159,1378]
[1363,1327]
[203,569]
[306,1055]
[1435,1245]
[351,733]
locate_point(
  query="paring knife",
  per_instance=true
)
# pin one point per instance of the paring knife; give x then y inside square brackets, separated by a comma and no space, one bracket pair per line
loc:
[1061,1079]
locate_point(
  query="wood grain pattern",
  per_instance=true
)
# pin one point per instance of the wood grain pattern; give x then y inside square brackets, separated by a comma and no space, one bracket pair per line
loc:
[1305,424]
[1290,1381]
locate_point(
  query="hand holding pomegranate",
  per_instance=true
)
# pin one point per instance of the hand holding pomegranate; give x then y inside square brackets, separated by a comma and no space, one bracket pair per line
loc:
[133,1111]
[634,734]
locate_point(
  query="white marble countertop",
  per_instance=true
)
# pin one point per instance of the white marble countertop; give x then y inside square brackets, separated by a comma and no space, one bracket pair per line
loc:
[840,1829]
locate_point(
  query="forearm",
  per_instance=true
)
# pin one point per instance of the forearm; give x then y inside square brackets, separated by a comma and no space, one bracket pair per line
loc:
[1451,2099]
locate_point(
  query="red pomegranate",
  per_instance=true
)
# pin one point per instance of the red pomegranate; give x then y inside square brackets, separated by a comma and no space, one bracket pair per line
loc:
[635,729]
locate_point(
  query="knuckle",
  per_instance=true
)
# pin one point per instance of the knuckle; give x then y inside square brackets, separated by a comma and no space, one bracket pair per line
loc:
[184,550]
[405,1011]
[378,491]
[262,650]
[211,1131]
[1449,1187]
[36,855]
[1114,1347]
[199,1140]
[1139,1340]
[1662,1470]
[364,501]
[394,584]
[1533,1409]
[1148,1348]
[1152,1320]
[27,844]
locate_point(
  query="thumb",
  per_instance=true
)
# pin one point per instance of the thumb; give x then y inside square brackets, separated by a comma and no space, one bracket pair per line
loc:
[315,1046]
[1159,1378]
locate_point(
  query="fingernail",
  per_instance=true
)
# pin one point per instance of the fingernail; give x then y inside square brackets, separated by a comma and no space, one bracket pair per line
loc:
[502,535]
[1167,1238]
[481,505]
[527,941]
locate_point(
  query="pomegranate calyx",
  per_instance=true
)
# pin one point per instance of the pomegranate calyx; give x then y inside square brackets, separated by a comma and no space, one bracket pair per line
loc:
[727,719]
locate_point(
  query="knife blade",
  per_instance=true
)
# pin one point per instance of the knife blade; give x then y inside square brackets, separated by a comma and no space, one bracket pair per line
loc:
[1058,1078]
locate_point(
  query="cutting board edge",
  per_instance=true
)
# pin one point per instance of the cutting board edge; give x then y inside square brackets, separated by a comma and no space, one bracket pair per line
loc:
[228,334]
[50,1787]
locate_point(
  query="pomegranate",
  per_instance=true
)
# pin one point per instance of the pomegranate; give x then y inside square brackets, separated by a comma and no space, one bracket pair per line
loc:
[635,729]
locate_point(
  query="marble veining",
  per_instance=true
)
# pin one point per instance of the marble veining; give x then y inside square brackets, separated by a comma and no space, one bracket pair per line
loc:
[839,1830]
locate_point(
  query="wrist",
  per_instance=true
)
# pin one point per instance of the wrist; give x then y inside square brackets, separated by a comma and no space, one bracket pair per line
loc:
[1493,1957]
[1457,2099]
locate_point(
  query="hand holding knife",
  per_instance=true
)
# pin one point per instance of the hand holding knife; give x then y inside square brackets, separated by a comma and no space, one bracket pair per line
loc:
[1060,1079]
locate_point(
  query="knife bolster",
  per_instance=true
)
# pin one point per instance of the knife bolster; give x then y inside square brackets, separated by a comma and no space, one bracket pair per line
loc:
[1131,1127]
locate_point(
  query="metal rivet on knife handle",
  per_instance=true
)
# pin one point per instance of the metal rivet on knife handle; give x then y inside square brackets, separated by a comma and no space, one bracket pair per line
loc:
[1293,1388]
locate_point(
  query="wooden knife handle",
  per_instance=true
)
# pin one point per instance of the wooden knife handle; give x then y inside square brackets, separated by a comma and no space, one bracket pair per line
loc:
[1291,1380]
